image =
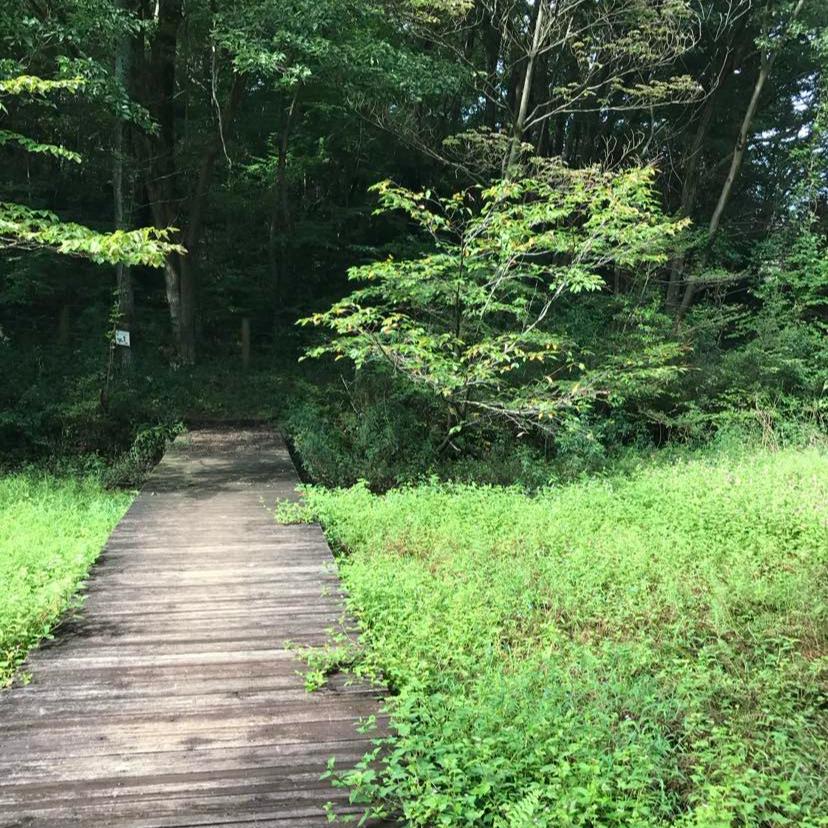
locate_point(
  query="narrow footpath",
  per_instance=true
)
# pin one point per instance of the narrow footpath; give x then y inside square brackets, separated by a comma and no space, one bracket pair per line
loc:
[170,698]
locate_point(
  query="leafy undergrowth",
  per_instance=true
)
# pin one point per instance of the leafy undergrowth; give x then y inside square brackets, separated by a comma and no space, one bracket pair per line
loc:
[51,531]
[636,651]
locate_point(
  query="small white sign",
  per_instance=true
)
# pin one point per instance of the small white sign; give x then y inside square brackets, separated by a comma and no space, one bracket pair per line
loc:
[122,338]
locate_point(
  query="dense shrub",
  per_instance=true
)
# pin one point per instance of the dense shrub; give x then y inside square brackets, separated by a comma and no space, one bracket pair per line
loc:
[131,467]
[366,429]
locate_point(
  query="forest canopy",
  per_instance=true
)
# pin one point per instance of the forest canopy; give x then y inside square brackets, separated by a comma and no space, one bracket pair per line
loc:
[517,219]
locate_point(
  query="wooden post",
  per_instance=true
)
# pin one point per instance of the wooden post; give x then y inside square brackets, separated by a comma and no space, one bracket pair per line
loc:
[64,325]
[245,342]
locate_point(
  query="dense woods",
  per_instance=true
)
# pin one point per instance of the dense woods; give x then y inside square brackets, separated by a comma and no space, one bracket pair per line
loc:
[601,220]
[537,292]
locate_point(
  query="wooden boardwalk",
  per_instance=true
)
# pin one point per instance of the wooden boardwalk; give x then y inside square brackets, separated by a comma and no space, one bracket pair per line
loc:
[170,699]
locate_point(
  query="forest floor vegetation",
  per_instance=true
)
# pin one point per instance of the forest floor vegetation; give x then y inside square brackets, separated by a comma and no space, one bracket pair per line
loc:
[52,529]
[647,648]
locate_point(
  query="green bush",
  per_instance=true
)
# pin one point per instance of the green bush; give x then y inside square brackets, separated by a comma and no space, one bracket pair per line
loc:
[369,429]
[147,449]
[378,429]
[51,531]
[635,651]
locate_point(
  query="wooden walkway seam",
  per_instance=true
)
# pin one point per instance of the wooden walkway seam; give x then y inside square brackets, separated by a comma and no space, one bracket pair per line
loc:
[170,698]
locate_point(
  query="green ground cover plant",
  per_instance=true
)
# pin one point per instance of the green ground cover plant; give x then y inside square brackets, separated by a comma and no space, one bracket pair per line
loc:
[51,531]
[640,650]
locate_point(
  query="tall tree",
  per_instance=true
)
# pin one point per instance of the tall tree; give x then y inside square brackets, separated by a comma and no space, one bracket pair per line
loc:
[121,195]
[778,30]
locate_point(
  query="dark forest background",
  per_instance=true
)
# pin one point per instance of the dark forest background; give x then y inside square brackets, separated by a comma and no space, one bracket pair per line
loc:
[256,129]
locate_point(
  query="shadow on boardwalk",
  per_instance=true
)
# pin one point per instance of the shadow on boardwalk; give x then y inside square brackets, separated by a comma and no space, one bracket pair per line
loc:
[170,700]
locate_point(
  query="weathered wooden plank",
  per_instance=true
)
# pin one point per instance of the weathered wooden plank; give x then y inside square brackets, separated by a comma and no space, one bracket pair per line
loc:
[54,712]
[54,770]
[208,581]
[192,592]
[292,816]
[55,671]
[233,712]
[231,628]
[169,698]
[221,638]
[224,805]
[169,684]
[167,603]
[155,713]
[114,744]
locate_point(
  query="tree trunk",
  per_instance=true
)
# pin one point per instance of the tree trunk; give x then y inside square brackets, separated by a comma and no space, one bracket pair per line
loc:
[162,188]
[173,290]
[690,182]
[64,325]
[169,16]
[197,203]
[560,135]
[519,125]
[573,131]
[492,40]
[159,85]
[123,275]
[689,188]
[766,64]
[187,309]
[245,342]
[280,215]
